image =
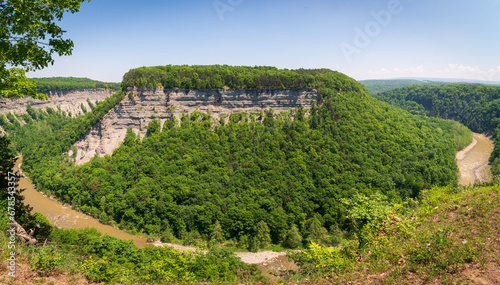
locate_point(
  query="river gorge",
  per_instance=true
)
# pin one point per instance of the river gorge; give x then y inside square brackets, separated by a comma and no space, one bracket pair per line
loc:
[472,162]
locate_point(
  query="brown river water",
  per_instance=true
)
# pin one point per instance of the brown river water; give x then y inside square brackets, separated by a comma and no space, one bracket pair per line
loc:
[472,162]
[64,216]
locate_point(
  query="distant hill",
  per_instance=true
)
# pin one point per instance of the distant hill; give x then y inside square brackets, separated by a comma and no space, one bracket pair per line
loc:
[453,80]
[382,85]
[48,84]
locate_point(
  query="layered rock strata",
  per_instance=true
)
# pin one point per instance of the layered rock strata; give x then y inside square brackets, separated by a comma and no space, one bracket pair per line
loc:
[69,101]
[141,106]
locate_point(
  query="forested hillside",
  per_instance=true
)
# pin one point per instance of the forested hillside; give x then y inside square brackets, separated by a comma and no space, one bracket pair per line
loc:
[39,125]
[273,176]
[48,84]
[475,106]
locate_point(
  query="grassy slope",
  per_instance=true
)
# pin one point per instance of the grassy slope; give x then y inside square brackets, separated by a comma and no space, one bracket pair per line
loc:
[453,237]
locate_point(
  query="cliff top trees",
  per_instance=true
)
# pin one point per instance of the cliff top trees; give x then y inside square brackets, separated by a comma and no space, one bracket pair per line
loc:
[236,77]
[28,38]
[48,84]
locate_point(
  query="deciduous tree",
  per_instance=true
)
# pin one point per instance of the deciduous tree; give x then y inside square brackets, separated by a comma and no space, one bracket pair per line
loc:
[29,36]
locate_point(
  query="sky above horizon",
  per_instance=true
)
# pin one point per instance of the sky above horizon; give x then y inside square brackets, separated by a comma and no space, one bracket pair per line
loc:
[365,39]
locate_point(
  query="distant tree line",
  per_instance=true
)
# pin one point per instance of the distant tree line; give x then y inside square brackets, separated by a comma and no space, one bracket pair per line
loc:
[48,84]
[377,86]
[42,122]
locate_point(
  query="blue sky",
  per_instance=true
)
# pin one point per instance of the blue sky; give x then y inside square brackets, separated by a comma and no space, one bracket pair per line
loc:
[365,39]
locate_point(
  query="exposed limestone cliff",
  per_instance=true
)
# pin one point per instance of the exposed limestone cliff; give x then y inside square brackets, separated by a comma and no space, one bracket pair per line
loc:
[69,101]
[144,105]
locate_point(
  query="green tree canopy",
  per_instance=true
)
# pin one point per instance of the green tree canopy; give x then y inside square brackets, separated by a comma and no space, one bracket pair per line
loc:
[29,36]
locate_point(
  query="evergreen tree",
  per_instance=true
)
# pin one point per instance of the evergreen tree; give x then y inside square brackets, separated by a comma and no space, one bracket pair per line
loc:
[294,239]
[335,234]
[216,233]
[262,235]
[317,232]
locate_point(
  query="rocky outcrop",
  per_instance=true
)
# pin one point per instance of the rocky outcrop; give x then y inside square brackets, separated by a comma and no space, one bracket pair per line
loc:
[69,101]
[141,106]
[237,100]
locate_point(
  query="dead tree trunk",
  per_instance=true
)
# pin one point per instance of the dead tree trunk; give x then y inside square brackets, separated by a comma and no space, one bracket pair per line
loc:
[23,235]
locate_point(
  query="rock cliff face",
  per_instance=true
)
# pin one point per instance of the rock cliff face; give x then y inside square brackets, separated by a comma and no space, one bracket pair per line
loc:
[141,106]
[69,101]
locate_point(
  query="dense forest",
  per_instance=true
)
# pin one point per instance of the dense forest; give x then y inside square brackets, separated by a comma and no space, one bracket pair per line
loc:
[475,106]
[381,85]
[101,258]
[47,84]
[260,177]
[42,122]
[236,77]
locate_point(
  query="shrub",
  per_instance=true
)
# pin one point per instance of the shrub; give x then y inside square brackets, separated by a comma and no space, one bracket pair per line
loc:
[100,270]
[168,264]
[45,260]
[319,259]
[219,265]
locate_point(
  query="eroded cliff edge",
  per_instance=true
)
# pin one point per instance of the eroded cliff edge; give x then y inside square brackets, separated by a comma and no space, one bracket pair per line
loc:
[68,101]
[141,106]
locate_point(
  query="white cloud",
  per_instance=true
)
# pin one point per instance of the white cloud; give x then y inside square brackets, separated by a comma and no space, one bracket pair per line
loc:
[470,72]
[462,68]
[397,72]
[452,70]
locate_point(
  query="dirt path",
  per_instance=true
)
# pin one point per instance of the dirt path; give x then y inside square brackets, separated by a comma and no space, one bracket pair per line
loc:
[473,161]
[247,257]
